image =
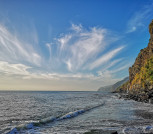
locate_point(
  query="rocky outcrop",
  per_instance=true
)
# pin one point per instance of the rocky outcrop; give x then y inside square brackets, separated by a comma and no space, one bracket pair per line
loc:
[100,131]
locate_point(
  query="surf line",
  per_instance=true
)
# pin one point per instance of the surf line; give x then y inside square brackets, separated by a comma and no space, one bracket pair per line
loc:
[32,125]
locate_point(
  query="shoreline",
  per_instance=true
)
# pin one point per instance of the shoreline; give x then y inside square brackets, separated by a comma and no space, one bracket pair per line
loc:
[141,96]
[146,129]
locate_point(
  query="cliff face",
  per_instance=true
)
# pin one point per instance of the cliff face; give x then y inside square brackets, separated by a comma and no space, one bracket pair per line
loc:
[141,73]
[140,84]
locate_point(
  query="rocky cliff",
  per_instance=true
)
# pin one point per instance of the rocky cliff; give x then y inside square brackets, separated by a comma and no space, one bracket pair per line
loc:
[141,73]
[140,85]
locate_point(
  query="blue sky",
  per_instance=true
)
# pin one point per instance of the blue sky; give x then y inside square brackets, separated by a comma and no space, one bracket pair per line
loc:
[70,45]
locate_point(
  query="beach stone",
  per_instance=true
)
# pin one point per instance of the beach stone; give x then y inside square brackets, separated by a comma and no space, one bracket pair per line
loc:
[151,100]
[148,128]
[133,130]
[114,132]
[13,131]
[98,131]
[30,126]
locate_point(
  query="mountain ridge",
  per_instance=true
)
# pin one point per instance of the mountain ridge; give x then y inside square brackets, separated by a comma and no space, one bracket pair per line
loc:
[114,86]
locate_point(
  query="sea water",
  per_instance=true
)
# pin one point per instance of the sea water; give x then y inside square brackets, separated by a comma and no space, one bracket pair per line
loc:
[52,112]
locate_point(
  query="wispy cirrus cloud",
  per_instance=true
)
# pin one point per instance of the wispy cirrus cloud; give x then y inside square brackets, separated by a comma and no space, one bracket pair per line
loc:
[139,17]
[64,41]
[13,69]
[110,74]
[25,72]
[105,58]
[14,50]
[124,67]
[76,28]
[82,46]
[110,64]
[20,77]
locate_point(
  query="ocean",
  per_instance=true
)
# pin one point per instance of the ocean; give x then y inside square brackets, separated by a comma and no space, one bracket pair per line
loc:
[67,112]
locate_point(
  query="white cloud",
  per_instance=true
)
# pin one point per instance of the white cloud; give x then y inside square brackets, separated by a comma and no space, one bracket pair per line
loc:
[69,65]
[113,63]
[50,50]
[64,41]
[121,68]
[109,65]
[139,18]
[87,46]
[105,58]
[82,46]
[24,72]
[77,28]
[13,69]
[14,50]
[69,56]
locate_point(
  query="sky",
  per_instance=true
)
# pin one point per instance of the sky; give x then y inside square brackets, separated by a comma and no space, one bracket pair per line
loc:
[70,45]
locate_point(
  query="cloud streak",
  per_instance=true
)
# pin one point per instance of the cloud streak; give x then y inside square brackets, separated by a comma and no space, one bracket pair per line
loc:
[15,50]
[24,72]
[105,58]
[137,20]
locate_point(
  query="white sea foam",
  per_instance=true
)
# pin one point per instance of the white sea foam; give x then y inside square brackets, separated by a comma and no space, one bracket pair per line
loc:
[32,125]
[71,114]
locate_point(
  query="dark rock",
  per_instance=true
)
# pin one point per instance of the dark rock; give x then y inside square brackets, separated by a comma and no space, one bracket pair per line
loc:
[151,100]
[99,131]
[114,132]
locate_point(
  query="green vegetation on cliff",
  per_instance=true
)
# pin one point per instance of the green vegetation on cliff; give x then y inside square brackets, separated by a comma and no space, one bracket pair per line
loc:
[144,78]
[141,72]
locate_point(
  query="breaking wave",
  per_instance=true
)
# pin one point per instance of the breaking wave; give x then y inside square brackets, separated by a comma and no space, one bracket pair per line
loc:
[51,119]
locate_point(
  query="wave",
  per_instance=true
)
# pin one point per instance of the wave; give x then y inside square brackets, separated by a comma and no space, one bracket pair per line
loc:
[71,114]
[51,119]
[31,125]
